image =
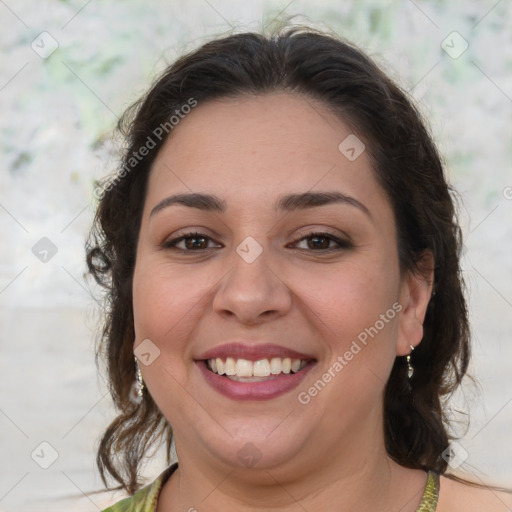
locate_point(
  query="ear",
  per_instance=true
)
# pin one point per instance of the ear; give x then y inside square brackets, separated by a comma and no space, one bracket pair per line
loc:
[415,294]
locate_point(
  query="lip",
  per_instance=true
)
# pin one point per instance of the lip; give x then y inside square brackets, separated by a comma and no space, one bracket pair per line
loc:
[264,390]
[254,352]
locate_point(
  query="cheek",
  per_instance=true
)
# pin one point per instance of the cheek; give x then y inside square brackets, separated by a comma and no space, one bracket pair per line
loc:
[167,304]
[351,297]
[355,314]
[354,311]
[155,304]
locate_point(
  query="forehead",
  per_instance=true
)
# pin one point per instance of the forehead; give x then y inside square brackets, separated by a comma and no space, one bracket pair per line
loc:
[259,147]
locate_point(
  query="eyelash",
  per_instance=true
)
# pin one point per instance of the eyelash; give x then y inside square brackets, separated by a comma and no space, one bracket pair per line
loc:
[342,244]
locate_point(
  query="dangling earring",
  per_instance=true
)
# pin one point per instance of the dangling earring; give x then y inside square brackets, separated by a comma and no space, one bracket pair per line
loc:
[410,369]
[140,381]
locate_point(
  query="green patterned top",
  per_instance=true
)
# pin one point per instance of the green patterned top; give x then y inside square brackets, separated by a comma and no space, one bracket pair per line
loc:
[430,494]
[145,499]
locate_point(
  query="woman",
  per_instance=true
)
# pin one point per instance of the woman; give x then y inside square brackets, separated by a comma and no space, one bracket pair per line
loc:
[281,254]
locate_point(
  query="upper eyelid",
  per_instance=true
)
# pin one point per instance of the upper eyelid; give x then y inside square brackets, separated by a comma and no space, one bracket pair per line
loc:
[304,231]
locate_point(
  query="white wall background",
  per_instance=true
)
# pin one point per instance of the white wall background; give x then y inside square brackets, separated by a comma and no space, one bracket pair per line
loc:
[58,111]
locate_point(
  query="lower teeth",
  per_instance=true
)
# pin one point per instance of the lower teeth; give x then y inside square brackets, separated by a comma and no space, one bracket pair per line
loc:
[250,379]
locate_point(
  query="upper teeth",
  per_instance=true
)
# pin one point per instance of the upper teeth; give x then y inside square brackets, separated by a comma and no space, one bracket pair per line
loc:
[261,368]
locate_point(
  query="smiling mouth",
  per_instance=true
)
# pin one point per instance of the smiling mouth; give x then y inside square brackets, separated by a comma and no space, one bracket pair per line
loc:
[243,370]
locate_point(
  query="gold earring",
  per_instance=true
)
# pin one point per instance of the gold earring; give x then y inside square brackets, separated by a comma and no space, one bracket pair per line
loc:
[140,381]
[410,369]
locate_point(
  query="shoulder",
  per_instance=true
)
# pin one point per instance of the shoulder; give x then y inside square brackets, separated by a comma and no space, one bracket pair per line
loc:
[145,499]
[456,496]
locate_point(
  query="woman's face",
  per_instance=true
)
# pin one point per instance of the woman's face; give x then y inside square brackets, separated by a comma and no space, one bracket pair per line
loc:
[256,286]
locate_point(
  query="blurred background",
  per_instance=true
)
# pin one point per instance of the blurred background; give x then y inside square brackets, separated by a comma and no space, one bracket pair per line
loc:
[70,68]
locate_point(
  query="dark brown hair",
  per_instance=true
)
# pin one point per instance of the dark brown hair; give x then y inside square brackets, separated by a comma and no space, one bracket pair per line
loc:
[406,163]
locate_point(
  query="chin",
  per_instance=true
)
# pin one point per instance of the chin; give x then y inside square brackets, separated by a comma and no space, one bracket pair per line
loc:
[264,445]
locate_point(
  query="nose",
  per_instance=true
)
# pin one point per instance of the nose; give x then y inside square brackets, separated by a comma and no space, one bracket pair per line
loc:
[252,291]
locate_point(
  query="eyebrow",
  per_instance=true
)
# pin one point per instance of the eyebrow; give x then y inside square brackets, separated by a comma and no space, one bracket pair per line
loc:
[287,203]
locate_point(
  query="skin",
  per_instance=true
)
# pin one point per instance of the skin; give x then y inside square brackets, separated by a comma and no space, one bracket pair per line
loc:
[328,454]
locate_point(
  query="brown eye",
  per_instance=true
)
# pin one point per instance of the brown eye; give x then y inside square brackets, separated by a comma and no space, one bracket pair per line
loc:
[191,242]
[195,242]
[319,242]
[322,242]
